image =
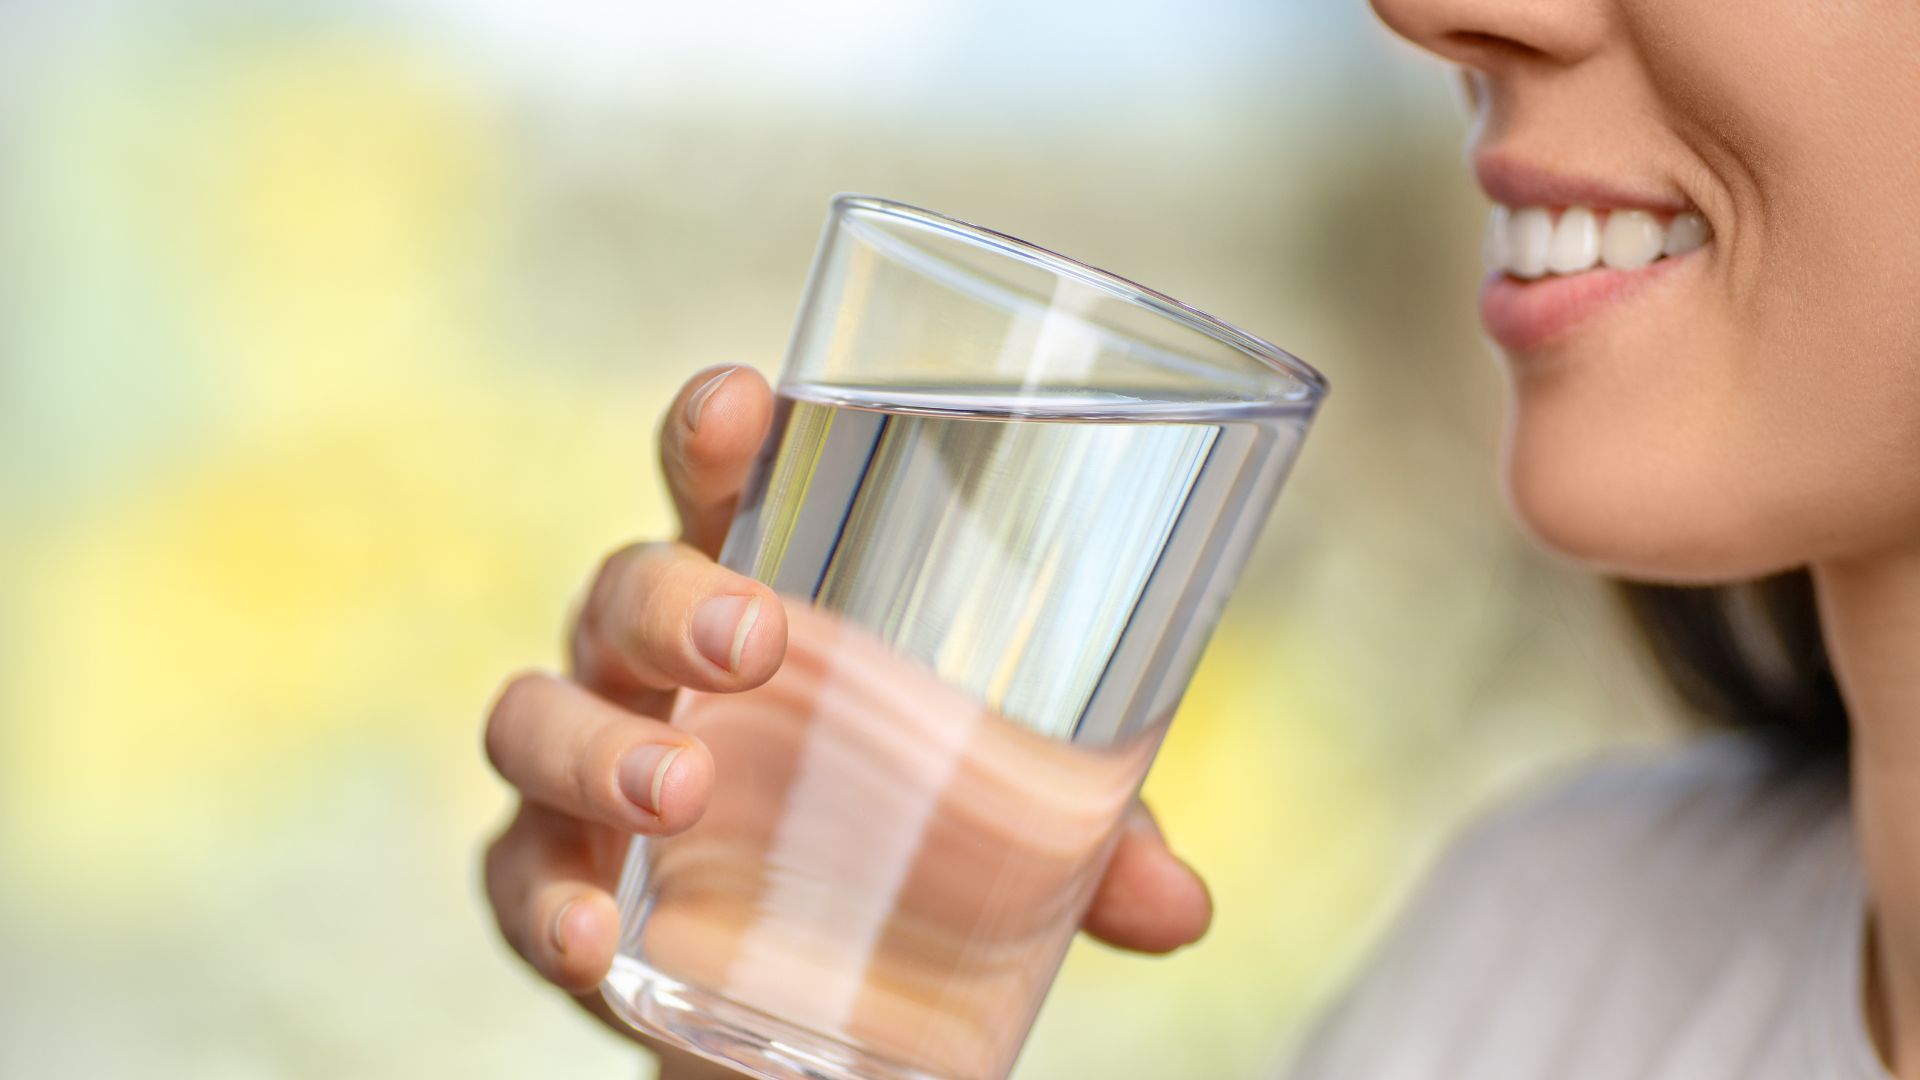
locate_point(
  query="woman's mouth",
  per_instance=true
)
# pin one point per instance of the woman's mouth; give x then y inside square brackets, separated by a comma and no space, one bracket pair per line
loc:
[1551,269]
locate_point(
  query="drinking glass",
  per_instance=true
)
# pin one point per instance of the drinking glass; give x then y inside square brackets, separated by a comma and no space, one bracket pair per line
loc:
[1003,500]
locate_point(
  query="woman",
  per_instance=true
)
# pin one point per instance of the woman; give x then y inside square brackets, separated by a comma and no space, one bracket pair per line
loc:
[1707,291]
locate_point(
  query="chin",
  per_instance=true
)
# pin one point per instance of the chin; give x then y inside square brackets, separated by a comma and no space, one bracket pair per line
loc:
[1636,513]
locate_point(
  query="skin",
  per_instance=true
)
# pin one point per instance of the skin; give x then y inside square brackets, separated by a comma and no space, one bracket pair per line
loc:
[1758,409]
[560,739]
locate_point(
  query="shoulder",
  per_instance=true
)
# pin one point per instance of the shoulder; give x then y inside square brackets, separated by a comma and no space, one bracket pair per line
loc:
[1589,910]
[1653,810]
[1647,846]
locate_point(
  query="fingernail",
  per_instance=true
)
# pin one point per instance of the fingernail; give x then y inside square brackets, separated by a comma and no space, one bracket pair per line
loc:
[721,626]
[558,931]
[574,923]
[699,399]
[643,772]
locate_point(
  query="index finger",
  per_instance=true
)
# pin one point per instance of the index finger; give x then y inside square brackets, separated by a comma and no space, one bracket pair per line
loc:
[708,440]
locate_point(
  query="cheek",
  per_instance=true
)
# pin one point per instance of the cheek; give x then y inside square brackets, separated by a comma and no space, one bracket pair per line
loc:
[1766,413]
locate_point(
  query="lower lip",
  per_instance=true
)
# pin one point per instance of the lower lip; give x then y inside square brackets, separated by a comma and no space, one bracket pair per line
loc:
[1528,315]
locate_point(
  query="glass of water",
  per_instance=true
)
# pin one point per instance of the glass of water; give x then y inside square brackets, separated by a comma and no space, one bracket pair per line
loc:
[1004,498]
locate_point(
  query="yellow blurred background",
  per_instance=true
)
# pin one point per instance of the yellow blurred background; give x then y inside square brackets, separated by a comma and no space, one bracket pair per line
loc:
[332,338]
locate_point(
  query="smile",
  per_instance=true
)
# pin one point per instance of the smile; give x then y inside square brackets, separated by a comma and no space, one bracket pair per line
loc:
[1552,270]
[1533,242]
[1563,246]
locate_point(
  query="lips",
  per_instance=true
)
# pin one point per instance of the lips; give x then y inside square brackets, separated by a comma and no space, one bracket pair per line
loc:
[1561,248]
[1523,316]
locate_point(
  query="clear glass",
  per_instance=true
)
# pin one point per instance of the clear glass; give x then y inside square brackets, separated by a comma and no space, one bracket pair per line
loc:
[1003,500]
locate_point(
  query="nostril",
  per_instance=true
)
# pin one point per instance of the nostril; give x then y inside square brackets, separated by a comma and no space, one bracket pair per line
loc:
[1478,49]
[1474,37]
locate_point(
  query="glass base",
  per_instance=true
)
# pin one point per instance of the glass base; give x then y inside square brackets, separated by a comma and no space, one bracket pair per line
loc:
[736,1035]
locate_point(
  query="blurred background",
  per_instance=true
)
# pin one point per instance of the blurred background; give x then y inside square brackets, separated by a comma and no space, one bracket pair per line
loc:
[332,340]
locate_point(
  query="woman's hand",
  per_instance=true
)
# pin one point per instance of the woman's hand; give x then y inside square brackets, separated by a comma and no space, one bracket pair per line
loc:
[594,761]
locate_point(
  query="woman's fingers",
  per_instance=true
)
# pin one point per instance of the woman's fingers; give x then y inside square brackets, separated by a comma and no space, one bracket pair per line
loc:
[708,439]
[547,877]
[1149,901]
[572,752]
[661,616]
[544,876]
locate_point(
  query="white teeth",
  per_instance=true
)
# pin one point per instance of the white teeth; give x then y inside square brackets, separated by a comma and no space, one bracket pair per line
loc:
[1632,240]
[1576,242]
[1532,242]
[1493,246]
[1687,232]
[1529,233]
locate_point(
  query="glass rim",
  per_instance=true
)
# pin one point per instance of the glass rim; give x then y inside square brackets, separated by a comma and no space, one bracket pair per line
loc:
[1251,345]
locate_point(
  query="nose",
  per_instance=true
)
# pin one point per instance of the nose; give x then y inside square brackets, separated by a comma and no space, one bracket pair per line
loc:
[1489,35]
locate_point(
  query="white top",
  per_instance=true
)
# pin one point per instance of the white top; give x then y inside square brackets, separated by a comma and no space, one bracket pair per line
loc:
[1701,917]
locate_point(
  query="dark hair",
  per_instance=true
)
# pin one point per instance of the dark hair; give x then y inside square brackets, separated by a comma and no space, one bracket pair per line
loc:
[1748,657]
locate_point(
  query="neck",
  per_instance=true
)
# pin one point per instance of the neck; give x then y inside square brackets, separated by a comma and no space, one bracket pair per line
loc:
[1870,614]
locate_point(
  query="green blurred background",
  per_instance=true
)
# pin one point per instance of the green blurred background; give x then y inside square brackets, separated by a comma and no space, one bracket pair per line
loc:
[334,336]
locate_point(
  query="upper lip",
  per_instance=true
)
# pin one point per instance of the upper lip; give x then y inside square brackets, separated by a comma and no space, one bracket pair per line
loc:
[1516,182]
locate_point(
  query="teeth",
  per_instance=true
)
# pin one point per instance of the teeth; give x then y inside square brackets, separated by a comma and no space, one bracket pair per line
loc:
[1493,246]
[1529,233]
[1687,233]
[1576,242]
[1530,242]
[1632,240]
